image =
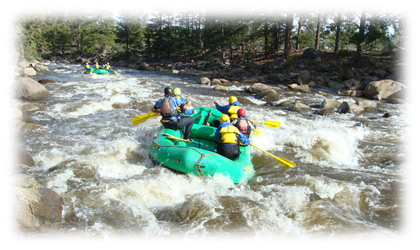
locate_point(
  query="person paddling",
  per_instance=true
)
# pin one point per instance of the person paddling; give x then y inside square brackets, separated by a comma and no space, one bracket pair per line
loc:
[230,109]
[229,139]
[172,113]
[244,125]
[88,68]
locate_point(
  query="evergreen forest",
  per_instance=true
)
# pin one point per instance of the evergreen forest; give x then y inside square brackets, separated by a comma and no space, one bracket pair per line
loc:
[185,37]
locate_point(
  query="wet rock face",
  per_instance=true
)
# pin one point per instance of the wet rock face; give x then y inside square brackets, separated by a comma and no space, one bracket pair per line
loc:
[30,89]
[384,89]
[38,209]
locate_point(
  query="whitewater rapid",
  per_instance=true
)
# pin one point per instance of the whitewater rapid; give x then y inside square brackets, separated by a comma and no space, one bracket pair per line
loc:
[347,179]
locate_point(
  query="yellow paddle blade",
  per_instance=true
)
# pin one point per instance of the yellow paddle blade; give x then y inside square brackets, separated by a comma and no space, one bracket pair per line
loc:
[283,161]
[272,124]
[257,131]
[142,118]
[115,72]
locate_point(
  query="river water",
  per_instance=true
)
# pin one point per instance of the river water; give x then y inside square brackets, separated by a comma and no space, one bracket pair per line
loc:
[349,177]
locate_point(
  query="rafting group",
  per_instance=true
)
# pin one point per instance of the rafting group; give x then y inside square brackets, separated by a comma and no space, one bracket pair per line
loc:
[204,141]
[98,69]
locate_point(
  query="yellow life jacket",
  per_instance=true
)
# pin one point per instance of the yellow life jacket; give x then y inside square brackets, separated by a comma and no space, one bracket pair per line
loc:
[233,112]
[229,134]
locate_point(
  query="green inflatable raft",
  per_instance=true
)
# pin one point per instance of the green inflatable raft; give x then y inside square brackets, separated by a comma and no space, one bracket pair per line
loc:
[199,157]
[98,71]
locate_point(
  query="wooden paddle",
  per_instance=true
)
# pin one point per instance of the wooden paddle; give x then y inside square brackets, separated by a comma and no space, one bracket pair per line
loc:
[142,118]
[285,162]
[272,124]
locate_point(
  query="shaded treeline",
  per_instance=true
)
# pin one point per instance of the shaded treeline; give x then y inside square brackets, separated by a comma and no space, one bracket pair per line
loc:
[242,39]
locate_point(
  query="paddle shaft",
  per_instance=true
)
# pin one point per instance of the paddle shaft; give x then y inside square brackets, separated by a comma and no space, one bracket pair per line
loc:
[272,124]
[282,161]
[180,139]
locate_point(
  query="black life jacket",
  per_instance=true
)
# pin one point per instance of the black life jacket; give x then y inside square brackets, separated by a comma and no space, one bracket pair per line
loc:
[166,109]
[243,126]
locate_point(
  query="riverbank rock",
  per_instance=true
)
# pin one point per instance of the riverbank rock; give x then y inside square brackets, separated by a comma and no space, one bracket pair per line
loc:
[384,89]
[38,209]
[205,81]
[367,104]
[216,81]
[142,66]
[30,89]
[330,104]
[24,158]
[221,88]
[40,67]
[257,87]
[304,77]
[299,107]
[348,107]
[44,81]
[301,88]
[244,100]
[352,93]
[28,72]
[268,95]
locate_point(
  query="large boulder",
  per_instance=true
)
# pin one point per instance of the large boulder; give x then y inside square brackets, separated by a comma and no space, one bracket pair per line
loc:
[330,104]
[367,104]
[311,53]
[353,93]
[304,77]
[221,88]
[23,157]
[30,89]
[384,89]
[40,67]
[39,209]
[257,87]
[28,72]
[300,88]
[142,66]
[268,95]
[205,81]
[349,107]
[278,77]
[299,107]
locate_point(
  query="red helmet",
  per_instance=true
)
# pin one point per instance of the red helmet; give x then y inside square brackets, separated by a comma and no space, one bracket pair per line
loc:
[241,112]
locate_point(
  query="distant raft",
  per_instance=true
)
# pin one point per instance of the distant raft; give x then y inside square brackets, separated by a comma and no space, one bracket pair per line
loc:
[98,71]
[199,157]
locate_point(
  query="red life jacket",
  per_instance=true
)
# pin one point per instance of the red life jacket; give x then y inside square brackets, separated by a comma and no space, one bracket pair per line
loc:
[243,126]
[166,109]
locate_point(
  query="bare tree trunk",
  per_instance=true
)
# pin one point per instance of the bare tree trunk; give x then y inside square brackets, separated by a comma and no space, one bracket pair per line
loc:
[275,35]
[298,32]
[337,34]
[200,39]
[288,37]
[361,34]
[79,36]
[318,32]
[266,40]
